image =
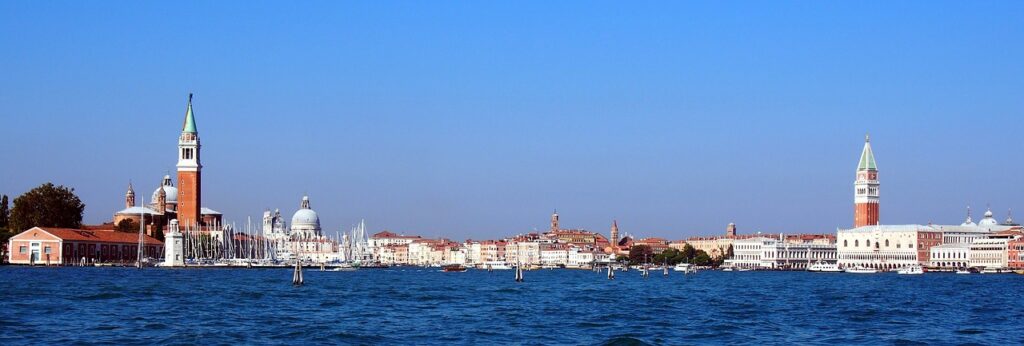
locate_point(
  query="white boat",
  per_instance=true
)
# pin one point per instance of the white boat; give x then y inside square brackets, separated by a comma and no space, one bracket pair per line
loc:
[990,271]
[684,267]
[963,271]
[821,267]
[727,269]
[497,266]
[910,270]
[743,269]
[861,270]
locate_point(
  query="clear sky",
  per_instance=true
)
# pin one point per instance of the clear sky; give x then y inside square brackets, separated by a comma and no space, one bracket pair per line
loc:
[477,119]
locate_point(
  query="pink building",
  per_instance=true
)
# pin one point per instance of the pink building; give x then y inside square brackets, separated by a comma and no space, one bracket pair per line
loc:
[57,246]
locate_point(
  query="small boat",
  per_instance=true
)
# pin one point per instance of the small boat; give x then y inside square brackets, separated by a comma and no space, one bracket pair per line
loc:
[685,268]
[727,269]
[861,270]
[343,269]
[990,271]
[822,267]
[453,268]
[910,270]
[1019,271]
[743,269]
[963,271]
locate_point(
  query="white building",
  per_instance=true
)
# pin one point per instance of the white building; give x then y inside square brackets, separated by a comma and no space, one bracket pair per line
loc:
[950,256]
[523,252]
[886,247]
[989,253]
[579,258]
[554,256]
[771,253]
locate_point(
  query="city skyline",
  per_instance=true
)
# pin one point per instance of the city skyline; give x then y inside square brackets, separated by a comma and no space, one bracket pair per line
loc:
[673,153]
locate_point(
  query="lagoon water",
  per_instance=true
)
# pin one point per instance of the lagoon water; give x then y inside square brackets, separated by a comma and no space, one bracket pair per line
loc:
[424,306]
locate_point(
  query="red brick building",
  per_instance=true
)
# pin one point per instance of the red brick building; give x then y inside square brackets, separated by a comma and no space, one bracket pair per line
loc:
[865,195]
[56,246]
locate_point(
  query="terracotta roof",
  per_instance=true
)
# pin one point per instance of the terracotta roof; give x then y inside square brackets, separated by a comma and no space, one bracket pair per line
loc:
[386,234]
[98,236]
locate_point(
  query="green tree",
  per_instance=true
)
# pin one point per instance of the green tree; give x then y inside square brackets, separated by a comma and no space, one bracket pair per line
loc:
[640,254]
[127,225]
[5,213]
[47,206]
[688,253]
[701,259]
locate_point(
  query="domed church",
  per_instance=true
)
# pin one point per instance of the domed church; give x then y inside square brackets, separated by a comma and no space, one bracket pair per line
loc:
[169,202]
[305,221]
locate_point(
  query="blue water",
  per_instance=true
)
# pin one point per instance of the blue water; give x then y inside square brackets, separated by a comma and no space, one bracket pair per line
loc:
[424,306]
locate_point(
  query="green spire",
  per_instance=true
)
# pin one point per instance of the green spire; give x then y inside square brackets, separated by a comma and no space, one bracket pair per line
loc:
[190,120]
[867,157]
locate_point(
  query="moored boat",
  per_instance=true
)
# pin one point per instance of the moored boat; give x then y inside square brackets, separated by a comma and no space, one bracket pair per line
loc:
[685,268]
[910,270]
[453,268]
[822,267]
[861,270]
[963,271]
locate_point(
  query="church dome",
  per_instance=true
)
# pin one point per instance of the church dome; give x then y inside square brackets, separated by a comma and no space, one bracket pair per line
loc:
[305,217]
[988,220]
[170,192]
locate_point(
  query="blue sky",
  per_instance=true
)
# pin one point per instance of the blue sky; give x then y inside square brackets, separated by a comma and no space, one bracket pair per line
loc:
[476,119]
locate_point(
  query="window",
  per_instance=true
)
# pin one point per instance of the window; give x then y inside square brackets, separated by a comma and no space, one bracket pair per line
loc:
[844,243]
[856,243]
[23,249]
[46,250]
[887,243]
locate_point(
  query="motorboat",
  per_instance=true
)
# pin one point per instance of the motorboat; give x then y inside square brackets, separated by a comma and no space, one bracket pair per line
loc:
[727,269]
[963,271]
[990,271]
[910,270]
[743,269]
[453,268]
[861,270]
[822,267]
[497,266]
[685,268]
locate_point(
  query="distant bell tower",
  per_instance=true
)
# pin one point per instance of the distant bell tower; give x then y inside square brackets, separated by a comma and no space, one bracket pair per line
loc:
[730,230]
[189,168]
[554,221]
[614,234]
[129,197]
[865,194]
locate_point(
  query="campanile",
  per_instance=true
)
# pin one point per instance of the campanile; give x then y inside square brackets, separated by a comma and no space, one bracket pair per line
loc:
[189,169]
[865,194]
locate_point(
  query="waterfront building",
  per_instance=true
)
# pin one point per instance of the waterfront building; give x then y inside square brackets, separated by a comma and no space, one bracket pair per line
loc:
[57,246]
[389,247]
[392,254]
[523,250]
[865,194]
[1015,253]
[886,247]
[579,258]
[554,255]
[950,256]
[989,253]
[779,253]
[492,251]
[656,244]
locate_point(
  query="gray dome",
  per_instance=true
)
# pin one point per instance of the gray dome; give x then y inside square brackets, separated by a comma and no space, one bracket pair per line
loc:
[305,217]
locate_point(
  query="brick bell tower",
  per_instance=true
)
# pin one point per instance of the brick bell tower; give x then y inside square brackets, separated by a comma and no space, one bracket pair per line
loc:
[189,178]
[865,196]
